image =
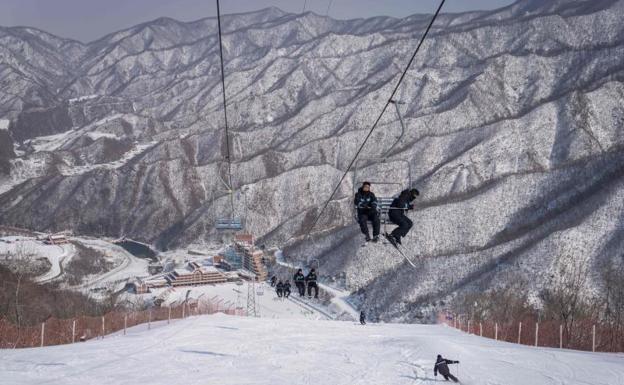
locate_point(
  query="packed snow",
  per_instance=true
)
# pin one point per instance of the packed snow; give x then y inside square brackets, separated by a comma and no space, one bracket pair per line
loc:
[228,350]
[4,124]
[231,295]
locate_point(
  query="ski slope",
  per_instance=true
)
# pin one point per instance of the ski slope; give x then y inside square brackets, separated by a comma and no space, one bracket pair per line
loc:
[228,350]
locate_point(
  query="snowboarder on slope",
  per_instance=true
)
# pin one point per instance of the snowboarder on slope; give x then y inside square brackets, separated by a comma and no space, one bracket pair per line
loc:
[441,366]
[365,202]
[398,208]
[299,279]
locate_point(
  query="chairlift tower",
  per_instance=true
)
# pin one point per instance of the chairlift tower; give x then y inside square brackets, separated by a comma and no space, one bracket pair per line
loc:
[252,310]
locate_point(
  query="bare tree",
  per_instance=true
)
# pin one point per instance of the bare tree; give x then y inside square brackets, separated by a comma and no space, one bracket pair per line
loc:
[565,299]
[20,264]
[613,305]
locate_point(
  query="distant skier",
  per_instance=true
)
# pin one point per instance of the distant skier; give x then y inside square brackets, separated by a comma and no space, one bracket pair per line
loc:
[273,281]
[398,208]
[441,366]
[311,282]
[365,202]
[299,279]
[362,318]
[287,289]
[279,289]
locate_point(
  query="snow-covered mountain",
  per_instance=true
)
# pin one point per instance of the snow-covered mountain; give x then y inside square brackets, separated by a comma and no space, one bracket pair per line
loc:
[514,135]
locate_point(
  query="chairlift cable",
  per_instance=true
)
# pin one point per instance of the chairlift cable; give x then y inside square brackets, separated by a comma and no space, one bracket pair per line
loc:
[227,136]
[318,216]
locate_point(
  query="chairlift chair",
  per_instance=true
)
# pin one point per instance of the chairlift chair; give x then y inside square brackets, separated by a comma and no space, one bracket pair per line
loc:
[385,198]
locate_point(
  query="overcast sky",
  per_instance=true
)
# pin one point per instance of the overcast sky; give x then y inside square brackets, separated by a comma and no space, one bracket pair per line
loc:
[87,20]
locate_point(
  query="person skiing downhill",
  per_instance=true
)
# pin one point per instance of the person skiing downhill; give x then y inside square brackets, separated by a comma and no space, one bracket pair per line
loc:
[299,279]
[311,282]
[365,202]
[396,214]
[441,366]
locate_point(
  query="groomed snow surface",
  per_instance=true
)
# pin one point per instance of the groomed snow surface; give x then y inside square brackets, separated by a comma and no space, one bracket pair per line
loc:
[227,350]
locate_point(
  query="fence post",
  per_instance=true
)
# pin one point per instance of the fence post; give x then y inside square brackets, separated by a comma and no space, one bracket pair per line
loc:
[496,331]
[455,322]
[594,338]
[480,330]
[469,327]
[536,332]
[169,317]
[183,309]
[42,332]
[560,336]
[125,323]
[73,331]
[149,320]
[103,329]
[519,332]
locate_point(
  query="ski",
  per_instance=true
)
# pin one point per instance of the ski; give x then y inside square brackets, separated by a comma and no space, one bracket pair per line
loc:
[396,246]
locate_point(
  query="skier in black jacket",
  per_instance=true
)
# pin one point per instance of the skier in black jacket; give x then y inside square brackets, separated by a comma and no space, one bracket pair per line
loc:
[299,279]
[441,366]
[287,289]
[398,208]
[279,289]
[311,282]
[365,202]
[362,318]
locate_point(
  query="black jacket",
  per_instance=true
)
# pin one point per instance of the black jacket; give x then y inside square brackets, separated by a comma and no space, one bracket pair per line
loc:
[311,277]
[403,201]
[279,287]
[362,316]
[441,366]
[365,200]
[299,278]
[287,286]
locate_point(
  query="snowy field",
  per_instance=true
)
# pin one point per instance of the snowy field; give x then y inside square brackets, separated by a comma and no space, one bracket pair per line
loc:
[30,248]
[231,295]
[229,350]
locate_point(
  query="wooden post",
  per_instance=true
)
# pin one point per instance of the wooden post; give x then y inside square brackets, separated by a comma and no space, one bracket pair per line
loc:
[169,317]
[455,322]
[42,332]
[469,332]
[496,331]
[560,336]
[536,332]
[480,330]
[73,331]
[183,309]
[125,323]
[594,338]
[103,328]
[149,320]
[519,332]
